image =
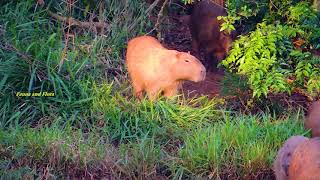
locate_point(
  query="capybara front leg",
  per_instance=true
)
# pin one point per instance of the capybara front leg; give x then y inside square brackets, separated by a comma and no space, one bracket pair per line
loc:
[138,90]
[171,90]
[153,93]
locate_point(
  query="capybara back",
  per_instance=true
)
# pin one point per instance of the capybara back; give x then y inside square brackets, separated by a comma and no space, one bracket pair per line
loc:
[283,159]
[305,161]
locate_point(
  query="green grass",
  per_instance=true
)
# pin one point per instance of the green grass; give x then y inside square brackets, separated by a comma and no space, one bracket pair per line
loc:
[93,127]
[236,146]
[245,144]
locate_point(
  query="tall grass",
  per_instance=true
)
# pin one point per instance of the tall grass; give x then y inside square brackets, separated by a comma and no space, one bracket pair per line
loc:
[238,146]
[32,49]
[124,116]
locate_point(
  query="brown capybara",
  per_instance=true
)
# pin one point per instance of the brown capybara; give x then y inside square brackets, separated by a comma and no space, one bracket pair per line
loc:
[205,31]
[282,161]
[312,120]
[305,161]
[155,69]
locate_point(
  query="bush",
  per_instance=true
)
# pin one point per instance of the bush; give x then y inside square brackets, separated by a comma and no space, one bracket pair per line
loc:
[269,58]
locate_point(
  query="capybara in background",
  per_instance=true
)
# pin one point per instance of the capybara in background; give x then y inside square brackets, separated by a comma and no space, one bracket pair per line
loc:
[282,161]
[312,120]
[206,35]
[155,69]
[305,161]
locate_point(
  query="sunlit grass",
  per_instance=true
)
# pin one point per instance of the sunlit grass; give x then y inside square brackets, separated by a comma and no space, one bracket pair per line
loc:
[244,144]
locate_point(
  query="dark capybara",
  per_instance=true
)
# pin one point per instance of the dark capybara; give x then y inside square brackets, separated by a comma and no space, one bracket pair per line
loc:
[305,161]
[313,119]
[205,31]
[283,159]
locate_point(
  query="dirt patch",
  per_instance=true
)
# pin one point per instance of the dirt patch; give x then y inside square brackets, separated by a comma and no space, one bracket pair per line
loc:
[210,87]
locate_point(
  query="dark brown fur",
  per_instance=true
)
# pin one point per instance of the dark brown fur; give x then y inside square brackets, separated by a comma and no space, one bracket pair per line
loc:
[313,119]
[205,31]
[305,161]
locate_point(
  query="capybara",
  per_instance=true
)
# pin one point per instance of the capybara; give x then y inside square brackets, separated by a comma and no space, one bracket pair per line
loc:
[206,35]
[312,120]
[155,69]
[282,161]
[305,161]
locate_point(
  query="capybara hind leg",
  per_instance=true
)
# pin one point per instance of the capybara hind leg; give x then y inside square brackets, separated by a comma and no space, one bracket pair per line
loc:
[138,90]
[171,90]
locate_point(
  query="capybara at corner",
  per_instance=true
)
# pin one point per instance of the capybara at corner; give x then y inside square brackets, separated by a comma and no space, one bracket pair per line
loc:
[206,35]
[155,69]
[282,161]
[312,120]
[305,161]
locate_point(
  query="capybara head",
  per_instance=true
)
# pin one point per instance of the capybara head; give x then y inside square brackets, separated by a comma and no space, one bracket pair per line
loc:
[313,119]
[282,161]
[225,42]
[188,67]
[305,161]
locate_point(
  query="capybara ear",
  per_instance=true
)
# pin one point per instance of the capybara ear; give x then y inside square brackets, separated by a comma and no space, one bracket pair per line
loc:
[179,54]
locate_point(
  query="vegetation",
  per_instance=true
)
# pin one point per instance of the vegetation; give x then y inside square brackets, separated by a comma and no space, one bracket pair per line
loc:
[275,56]
[92,127]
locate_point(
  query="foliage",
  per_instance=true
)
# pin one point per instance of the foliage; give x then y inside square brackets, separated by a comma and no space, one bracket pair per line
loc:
[228,22]
[268,57]
[267,54]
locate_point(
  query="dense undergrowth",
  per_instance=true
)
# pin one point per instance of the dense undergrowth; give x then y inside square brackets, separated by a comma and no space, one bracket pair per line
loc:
[92,127]
[276,55]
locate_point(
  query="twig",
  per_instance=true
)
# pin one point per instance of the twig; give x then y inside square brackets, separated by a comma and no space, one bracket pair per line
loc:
[273,5]
[67,35]
[28,58]
[152,6]
[158,19]
[101,13]
[75,22]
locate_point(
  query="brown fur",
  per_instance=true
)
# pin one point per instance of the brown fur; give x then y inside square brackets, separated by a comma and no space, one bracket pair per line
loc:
[305,161]
[283,159]
[205,31]
[154,69]
[313,119]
